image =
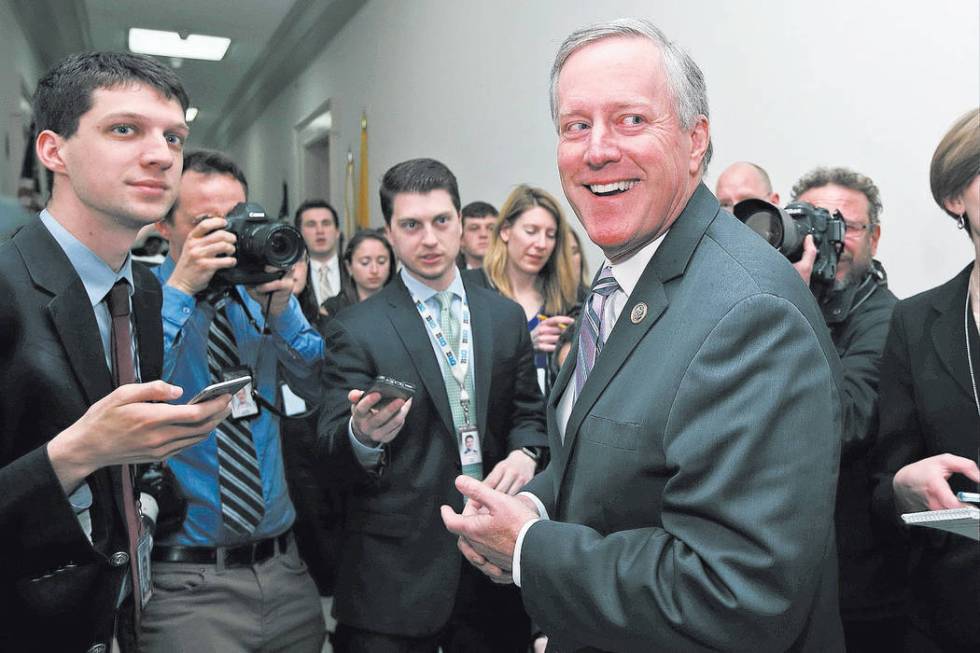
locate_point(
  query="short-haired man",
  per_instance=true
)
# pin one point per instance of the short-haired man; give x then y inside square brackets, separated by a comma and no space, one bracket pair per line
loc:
[77,319]
[741,181]
[229,578]
[682,510]
[479,219]
[402,584]
[858,309]
[320,226]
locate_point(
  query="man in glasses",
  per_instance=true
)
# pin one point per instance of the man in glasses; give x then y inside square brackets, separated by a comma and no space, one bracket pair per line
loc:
[857,311]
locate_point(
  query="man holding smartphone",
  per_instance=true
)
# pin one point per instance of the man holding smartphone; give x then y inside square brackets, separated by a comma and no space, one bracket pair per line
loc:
[401,583]
[234,557]
[78,318]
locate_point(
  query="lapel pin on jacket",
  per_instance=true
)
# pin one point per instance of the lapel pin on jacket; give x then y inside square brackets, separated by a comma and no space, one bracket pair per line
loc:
[639,313]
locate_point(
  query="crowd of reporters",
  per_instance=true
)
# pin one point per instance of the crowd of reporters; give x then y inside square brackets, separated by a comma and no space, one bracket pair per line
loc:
[910,418]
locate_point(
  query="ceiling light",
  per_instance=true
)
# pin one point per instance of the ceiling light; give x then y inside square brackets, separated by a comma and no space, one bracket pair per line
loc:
[169,44]
[190,114]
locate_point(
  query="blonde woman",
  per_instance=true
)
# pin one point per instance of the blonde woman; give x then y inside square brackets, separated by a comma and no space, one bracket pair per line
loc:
[530,262]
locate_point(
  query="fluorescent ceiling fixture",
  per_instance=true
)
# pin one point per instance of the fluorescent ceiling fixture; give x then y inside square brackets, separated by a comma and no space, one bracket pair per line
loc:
[190,114]
[169,44]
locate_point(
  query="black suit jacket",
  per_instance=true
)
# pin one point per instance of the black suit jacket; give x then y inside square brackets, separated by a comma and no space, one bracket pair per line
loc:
[400,567]
[926,407]
[692,497]
[58,591]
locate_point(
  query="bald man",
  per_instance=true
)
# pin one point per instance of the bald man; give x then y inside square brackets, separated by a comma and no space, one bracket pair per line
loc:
[743,180]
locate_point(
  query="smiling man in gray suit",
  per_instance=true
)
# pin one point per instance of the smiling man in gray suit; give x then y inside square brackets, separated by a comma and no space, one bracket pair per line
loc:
[689,502]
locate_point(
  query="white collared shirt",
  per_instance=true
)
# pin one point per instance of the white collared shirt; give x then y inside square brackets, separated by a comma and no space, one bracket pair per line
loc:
[332,265]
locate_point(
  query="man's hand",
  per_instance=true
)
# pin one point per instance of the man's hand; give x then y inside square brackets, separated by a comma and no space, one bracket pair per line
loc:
[275,294]
[300,276]
[489,526]
[923,485]
[373,426]
[805,265]
[132,425]
[512,473]
[209,247]
[544,337]
[540,644]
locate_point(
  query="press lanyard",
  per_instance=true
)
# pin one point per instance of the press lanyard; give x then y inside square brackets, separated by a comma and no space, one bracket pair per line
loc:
[459,366]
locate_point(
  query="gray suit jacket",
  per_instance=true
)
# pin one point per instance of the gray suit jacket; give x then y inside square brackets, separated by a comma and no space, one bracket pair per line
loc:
[693,496]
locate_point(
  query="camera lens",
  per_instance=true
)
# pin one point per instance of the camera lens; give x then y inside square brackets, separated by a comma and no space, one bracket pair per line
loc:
[768,225]
[283,246]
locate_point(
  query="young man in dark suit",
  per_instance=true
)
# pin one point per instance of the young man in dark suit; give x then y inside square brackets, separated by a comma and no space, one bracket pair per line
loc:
[111,130]
[319,223]
[402,584]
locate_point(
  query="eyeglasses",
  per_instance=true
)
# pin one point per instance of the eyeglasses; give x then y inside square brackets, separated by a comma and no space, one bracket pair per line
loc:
[854,228]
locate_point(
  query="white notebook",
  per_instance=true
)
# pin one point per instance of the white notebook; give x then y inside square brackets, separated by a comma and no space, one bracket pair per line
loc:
[962,521]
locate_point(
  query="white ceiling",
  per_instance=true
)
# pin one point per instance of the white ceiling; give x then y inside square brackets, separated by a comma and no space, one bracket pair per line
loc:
[271,40]
[248,23]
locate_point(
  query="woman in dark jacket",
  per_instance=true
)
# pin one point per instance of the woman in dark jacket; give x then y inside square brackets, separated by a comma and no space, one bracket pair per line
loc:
[929,414]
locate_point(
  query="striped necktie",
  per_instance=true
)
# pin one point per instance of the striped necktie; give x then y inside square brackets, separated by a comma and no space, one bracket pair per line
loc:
[239,481]
[591,335]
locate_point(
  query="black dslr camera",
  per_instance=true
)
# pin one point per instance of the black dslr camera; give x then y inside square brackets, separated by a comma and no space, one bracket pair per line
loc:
[261,242]
[785,229]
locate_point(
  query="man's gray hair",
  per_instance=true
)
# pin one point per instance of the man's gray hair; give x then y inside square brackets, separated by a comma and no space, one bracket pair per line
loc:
[684,77]
[846,178]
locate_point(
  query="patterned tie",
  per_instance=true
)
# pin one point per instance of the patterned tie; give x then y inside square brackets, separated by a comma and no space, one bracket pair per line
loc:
[591,335]
[239,481]
[449,323]
[123,372]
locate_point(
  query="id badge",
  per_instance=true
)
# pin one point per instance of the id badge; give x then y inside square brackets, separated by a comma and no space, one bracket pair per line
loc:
[143,547]
[469,451]
[242,402]
[292,404]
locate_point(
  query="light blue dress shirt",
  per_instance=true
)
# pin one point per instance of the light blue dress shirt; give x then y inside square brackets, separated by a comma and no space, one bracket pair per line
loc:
[294,343]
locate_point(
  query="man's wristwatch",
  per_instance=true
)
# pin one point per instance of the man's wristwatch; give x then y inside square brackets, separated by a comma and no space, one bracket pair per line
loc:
[534,453]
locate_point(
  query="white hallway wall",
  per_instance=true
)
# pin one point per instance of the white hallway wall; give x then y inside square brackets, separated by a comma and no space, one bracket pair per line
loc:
[872,84]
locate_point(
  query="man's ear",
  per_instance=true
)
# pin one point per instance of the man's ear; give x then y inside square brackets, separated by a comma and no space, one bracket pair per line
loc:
[48,146]
[700,139]
[164,228]
[874,234]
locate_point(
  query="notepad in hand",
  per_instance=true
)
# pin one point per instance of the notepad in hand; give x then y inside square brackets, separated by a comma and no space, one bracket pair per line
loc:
[962,521]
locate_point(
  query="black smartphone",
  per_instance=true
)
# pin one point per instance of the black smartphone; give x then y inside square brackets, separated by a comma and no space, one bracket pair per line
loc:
[229,387]
[390,389]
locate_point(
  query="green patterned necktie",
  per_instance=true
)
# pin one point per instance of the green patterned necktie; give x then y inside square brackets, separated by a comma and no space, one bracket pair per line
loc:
[449,323]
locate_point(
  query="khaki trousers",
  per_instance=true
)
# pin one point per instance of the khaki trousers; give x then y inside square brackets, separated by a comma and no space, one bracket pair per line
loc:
[271,606]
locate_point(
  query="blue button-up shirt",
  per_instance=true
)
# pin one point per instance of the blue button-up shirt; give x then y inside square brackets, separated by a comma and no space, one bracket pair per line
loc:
[294,343]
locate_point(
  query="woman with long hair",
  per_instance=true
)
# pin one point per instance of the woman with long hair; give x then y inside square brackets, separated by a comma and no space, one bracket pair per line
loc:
[530,262]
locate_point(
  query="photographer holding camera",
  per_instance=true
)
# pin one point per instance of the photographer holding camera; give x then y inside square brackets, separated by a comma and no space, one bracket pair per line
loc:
[234,557]
[857,308]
